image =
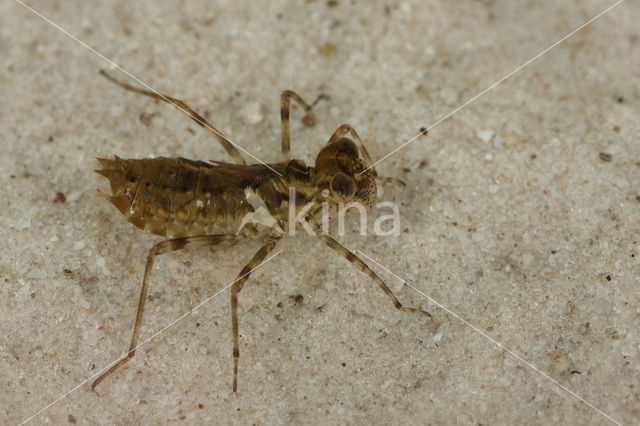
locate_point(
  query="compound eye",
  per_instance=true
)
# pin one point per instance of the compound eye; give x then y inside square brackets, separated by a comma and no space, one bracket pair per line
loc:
[343,185]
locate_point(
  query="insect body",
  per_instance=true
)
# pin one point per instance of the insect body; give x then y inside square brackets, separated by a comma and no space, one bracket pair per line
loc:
[194,203]
[176,197]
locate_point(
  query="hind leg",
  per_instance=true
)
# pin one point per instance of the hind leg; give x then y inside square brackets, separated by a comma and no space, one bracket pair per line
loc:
[243,276]
[226,143]
[162,247]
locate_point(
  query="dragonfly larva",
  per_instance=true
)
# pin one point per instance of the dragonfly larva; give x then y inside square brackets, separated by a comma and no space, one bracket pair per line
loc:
[200,204]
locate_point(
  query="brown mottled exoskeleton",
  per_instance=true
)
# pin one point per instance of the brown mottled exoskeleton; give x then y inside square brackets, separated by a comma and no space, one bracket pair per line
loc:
[195,203]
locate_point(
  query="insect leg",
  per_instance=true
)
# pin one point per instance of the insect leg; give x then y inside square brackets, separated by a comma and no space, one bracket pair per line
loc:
[162,247]
[226,144]
[341,132]
[235,289]
[342,251]
[285,101]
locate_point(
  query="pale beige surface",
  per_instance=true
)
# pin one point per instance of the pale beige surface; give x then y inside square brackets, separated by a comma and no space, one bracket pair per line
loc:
[512,219]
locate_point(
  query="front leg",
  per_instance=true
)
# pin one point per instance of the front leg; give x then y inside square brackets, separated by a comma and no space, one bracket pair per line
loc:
[285,101]
[358,263]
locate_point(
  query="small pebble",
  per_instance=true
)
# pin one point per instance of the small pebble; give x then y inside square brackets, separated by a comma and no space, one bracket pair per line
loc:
[73,196]
[605,157]
[252,113]
[485,135]
[116,110]
[82,302]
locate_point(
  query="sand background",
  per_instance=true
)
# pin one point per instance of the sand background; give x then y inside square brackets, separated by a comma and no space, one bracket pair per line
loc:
[521,213]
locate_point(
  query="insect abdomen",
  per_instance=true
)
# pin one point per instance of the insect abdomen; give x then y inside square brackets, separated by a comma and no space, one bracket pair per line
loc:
[173,197]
